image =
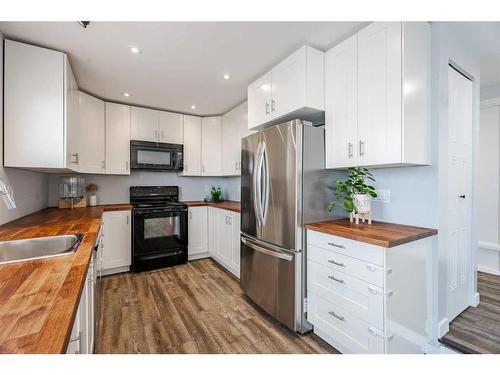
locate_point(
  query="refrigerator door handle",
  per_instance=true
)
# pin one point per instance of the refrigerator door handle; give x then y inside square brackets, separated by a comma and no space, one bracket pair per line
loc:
[263,250]
[258,183]
[265,185]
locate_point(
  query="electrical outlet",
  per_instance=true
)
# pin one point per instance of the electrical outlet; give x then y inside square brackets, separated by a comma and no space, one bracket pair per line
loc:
[383,196]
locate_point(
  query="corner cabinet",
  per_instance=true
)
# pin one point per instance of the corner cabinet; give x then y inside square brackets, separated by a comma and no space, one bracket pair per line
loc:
[40,109]
[377,97]
[117,139]
[234,128]
[211,146]
[292,89]
[192,146]
[91,135]
[362,299]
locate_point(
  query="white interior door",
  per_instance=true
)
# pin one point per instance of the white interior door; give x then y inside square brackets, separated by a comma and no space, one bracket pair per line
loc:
[460,117]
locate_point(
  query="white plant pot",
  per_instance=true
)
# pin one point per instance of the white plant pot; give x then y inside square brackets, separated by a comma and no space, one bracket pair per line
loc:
[362,202]
[92,200]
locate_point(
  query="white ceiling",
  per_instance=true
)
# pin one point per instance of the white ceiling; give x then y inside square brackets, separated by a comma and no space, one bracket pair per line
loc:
[182,63]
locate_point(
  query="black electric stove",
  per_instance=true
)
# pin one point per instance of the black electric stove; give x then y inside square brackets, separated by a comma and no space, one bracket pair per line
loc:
[159,227]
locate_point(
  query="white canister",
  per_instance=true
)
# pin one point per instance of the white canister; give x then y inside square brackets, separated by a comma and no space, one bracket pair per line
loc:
[362,202]
[93,200]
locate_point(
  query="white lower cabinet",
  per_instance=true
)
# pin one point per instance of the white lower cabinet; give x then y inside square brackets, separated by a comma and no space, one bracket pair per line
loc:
[363,298]
[197,232]
[82,336]
[116,252]
[224,238]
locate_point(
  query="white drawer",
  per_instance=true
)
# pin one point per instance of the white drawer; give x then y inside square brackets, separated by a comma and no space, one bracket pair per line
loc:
[336,325]
[355,267]
[360,250]
[358,297]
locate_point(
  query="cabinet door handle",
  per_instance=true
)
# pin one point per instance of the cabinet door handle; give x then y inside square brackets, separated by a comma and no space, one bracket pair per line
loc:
[369,267]
[373,331]
[372,290]
[350,150]
[334,314]
[336,245]
[203,169]
[103,164]
[340,281]
[127,219]
[267,108]
[75,155]
[190,215]
[336,263]
[361,148]
[156,134]
[273,105]
[126,165]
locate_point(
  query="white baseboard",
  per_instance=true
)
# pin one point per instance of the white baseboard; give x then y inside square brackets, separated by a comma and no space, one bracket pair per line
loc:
[491,271]
[112,271]
[475,300]
[443,327]
[198,256]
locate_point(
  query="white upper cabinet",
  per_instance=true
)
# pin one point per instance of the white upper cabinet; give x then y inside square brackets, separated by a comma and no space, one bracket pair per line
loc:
[259,101]
[234,127]
[117,139]
[389,117]
[295,88]
[92,134]
[170,128]
[40,109]
[144,124]
[192,146]
[341,104]
[211,146]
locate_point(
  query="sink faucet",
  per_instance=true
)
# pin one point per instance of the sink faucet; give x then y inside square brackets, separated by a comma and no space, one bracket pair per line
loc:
[7,194]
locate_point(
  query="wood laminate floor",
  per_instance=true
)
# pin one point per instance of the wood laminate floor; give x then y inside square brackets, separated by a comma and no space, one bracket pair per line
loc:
[477,329]
[192,308]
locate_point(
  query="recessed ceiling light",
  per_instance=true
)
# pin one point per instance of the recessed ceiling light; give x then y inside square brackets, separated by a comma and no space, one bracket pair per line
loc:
[126,94]
[193,107]
[135,50]
[227,76]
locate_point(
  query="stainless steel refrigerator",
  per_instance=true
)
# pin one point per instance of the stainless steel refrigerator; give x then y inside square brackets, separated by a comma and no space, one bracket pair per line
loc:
[283,187]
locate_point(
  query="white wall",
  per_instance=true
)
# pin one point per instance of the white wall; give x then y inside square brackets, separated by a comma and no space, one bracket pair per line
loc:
[490,92]
[488,259]
[115,189]
[30,188]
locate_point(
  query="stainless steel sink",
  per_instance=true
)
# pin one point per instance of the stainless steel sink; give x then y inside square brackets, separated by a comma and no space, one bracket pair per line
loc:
[38,248]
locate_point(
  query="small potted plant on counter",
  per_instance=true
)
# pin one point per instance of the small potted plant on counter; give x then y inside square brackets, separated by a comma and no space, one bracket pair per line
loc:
[91,190]
[216,194]
[354,194]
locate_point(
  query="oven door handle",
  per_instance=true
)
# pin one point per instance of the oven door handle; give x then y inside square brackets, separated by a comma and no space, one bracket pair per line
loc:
[161,255]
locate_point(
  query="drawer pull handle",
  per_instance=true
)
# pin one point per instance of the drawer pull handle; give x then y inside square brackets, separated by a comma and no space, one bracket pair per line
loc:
[373,331]
[339,317]
[336,263]
[336,245]
[372,290]
[335,279]
[369,267]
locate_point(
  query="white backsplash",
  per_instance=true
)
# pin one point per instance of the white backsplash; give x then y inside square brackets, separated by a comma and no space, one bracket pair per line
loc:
[115,189]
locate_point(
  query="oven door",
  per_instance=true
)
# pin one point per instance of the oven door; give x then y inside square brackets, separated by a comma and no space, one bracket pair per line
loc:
[155,156]
[157,231]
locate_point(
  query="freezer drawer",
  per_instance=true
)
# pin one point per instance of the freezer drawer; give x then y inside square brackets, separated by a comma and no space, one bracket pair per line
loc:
[267,277]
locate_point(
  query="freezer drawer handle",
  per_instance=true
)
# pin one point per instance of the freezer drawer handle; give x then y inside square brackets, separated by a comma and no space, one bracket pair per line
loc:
[339,317]
[336,263]
[337,280]
[266,251]
[336,245]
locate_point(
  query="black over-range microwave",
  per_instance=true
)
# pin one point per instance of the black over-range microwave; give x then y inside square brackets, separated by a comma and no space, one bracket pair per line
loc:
[156,156]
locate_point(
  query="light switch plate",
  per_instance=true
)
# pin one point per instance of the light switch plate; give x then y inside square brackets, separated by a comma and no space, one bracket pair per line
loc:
[383,196]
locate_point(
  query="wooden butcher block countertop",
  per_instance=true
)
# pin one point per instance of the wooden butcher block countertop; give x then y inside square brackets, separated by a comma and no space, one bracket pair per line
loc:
[378,233]
[225,205]
[39,298]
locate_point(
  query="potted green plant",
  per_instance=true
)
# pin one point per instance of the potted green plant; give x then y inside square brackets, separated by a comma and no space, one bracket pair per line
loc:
[354,194]
[216,193]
